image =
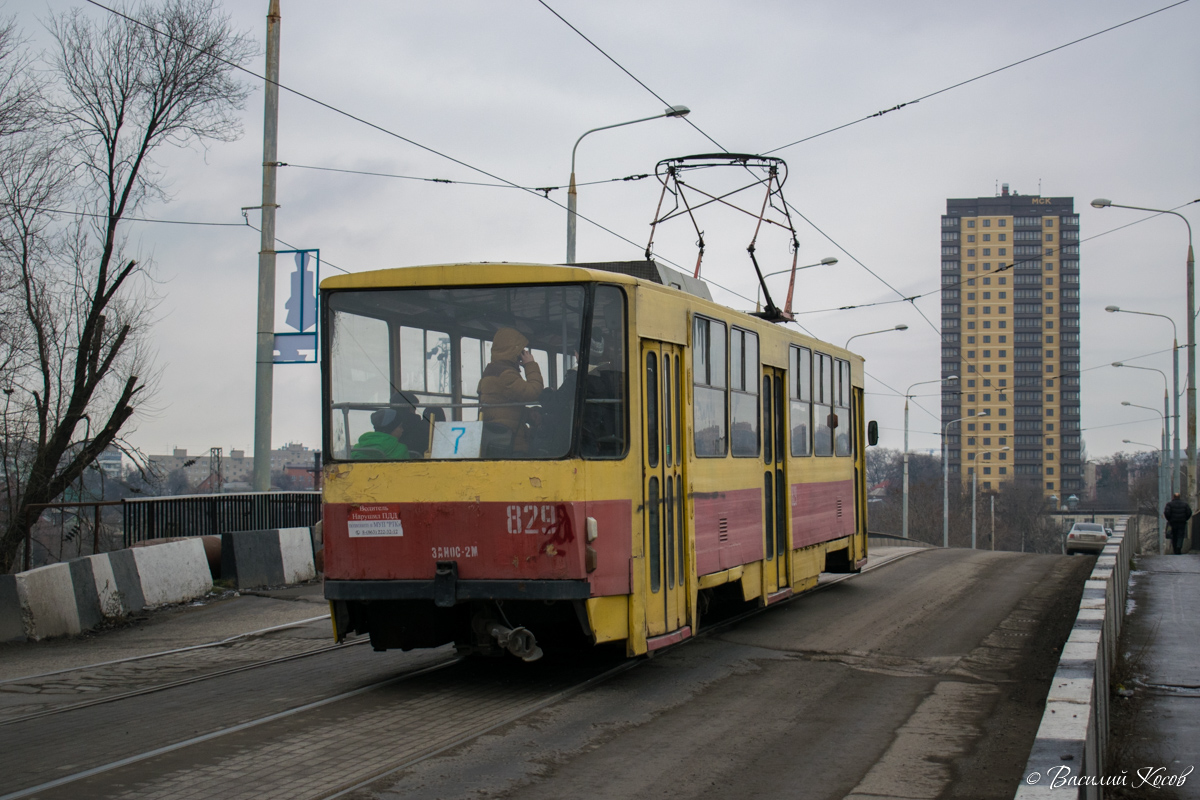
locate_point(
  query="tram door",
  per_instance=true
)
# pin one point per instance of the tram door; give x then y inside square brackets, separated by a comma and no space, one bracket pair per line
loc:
[776,497]
[663,490]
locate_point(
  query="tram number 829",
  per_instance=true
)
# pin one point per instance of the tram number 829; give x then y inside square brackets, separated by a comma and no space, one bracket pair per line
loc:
[532,518]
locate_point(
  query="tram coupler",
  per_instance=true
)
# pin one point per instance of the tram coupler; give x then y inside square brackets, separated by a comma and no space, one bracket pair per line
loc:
[445,584]
[518,641]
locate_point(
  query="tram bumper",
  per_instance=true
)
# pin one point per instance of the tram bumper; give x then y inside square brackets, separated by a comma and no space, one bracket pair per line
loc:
[408,614]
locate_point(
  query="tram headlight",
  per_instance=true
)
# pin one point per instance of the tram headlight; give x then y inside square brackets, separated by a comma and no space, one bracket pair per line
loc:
[593,529]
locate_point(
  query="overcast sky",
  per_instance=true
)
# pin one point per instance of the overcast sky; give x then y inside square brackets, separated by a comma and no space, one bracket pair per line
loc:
[505,86]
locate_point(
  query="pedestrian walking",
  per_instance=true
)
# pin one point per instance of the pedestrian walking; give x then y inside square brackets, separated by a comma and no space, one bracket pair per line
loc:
[1177,513]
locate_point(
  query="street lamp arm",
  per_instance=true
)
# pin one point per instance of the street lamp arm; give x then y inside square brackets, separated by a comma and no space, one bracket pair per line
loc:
[900,327]
[1147,369]
[1148,408]
[1100,202]
[1118,309]
[673,111]
[822,263]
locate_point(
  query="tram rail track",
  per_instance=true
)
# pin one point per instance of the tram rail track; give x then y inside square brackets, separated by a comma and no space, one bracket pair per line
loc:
[103,768]
[159,654]
[182,682]
[463,694]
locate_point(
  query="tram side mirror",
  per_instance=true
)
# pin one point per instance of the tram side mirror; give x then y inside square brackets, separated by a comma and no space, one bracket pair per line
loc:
[832,420]
[872,433]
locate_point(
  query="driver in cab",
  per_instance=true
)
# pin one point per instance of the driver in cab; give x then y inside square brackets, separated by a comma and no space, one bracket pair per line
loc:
[502,387]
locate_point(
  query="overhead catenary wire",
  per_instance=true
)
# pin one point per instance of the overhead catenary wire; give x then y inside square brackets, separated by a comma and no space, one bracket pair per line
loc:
[449,181]
[691,122]
[902,297]
[980,77]
[635,78]
[369,124]
[962,281]
[911,299]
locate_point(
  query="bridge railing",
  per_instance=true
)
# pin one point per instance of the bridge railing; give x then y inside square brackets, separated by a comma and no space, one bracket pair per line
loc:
[90,527]
[1067,758]
[214,514]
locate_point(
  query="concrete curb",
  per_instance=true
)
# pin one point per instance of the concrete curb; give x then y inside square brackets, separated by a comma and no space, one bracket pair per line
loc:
[1067,758]
[267,558]
[77,595]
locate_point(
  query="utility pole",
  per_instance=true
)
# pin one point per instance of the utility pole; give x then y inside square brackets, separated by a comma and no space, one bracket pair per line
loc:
[264,386]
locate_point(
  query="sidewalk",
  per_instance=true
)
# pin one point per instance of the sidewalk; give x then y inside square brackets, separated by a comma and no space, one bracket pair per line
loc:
[1163,646]
[167,629]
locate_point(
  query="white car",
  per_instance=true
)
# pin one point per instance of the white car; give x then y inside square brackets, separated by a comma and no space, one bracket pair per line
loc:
[1086,537]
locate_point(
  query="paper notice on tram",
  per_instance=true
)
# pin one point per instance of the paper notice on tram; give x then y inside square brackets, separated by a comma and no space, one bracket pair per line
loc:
[379,519]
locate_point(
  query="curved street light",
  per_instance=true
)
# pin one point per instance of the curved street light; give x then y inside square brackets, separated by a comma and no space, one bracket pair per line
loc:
[828,261]
[1175,361]
[900,327]
[1166,412]
[1162,456]
[946,476]
[908,394]
[1103,202]
[572,194]
[974,483]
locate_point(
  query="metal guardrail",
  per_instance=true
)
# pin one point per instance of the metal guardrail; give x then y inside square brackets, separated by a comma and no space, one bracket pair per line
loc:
[212,514]
[892,540]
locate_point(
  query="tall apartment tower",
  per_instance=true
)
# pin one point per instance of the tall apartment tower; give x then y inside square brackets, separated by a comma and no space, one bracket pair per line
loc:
[1010,331]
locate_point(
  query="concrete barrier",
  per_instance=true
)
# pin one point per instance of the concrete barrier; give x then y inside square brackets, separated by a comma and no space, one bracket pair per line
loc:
[267,558]
[1067,758]
[46,602]
[173,572]
[74,596]
[12,627]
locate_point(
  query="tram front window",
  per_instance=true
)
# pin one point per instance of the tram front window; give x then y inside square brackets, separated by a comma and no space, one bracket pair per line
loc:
[469,373]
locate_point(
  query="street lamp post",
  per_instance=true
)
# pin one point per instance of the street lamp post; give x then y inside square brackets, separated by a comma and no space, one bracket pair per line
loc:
[1166,415]
[974,483]
[1101,202]
[1162,484]
[572,194]
[992,497]
[946,478]
[1161,503]
[900,327]
[904,501]
[1174,467]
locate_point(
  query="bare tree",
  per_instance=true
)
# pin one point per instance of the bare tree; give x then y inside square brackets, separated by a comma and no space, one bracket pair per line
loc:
[78,362]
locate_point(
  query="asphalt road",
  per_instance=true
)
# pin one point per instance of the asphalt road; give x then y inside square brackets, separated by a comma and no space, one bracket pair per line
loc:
[922,678]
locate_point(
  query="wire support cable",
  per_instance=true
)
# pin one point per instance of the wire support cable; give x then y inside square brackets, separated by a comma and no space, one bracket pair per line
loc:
[621,67]
[544,190]
[980,77]
[366,122]
[962,281]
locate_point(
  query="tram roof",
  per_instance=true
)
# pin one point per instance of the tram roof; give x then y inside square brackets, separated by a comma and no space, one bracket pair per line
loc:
[471,273]
[475,273]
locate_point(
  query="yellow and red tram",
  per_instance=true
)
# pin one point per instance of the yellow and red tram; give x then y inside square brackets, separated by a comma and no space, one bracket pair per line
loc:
[645,446]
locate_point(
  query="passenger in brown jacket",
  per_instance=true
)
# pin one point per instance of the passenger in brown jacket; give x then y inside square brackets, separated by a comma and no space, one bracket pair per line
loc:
[502,384]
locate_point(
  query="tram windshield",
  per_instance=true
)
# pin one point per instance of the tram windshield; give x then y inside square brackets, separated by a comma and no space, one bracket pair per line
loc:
[476,373]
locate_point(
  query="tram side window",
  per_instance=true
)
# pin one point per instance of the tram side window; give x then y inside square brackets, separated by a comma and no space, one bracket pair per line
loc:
[823,380]
[359,361]
[842,408]
[604,391]
[743,392]
[800,391]
[708,374]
